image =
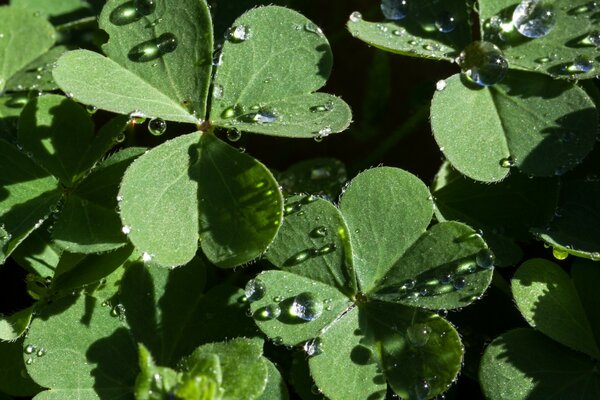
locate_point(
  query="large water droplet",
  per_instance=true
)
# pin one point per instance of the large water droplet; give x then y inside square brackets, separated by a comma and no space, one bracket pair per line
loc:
[355,17]
[534,18]
[418,334]
[30,348]
[313,347]
[394,10]
[238,34]
[485,259]
[145,7]
[581,64]
[233,135]
[157,126]
[153,49]
[306,306]
[445,22]
[559,254]
[255,289]
[459,283]
[483,63]
[262,117]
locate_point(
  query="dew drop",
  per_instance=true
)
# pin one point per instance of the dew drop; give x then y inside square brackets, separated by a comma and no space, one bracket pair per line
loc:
[306,306]
[441,85]
[319,232]
[459,283]
[153,49]
[157,126]
[446,279]
[217,91]
[422,390]
[485,259]
[507,162]
[120,138]
[41,352]
[581,64]
[394,10]
[29,361]
[255,290]
[312,28]
[118,311]
[269,312]
[534,18]
[30,348]
[313,347]
[145,7]
[592,39]
[278,341]
[146,257]
[483,63]
[137,117]
[559,254]
[126,229]
[238,34]
[91,109]
[408,284]
[328,248]
[445,22]
[233,135]
[418,334]
[277,299]
[228,113]
[355,17]
[263,117]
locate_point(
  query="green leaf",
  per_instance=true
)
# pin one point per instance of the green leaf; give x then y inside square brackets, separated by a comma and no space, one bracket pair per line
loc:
[548,300]
[14,379]
[575,227]
[287,58]
[324,176]
[37,75]
[153,382]
[53,8]
[529,120]
[276,388]
[24,37]
[11,106]
[586,278]
[524,364]
[57,132]
[419,34]
[13,326]
[244,369]
[37,253]
[552,53]
[313,242]
[423,340]
[504,211]
[27,197]
[443,268]
[386,210]
[342,344]
[88,342]
[88,222]
[240,203]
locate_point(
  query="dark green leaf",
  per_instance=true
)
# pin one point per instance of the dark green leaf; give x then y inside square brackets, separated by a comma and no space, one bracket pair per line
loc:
[524,364]
[37,253]
[428,30]
[529,120]
[276,388]
[323,176]
[549,301]
[14,379]
[13,326]
[386,210]
[287,58]
[37,75]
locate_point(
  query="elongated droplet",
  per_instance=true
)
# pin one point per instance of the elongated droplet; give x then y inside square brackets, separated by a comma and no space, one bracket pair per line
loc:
[408,284]
[319,232]
[483,63]
[145,7]
[394,10]
[255,290]
[581,64]
[485,259]
[153,49]
[263,117]
[157,126]
[306,306]
[534,18]
[445,22]
[418,334]
[268,312]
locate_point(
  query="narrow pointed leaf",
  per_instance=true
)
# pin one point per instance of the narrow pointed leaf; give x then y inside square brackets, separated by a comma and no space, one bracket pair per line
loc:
[524,364]
[13,326]
[548,299]
[432,31]
[540,125]
[23,38]
[313,242]
[386,210]
[241,206]
[287,59]
[442,268]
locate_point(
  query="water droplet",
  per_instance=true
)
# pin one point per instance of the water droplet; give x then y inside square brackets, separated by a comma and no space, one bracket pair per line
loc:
[394,10]
[581,64]
[262,117]
[30,348]
[445,22]
[399,32]
[446,279]
[145,7]
[312,28]
[137,117]
[277,299]
[485,259]
[559,254]
[483,63]
[319,232]
[126,229]
[592,39]
[41,352]
[228,113]
[118,311]
[355,17]
[255,289]
[268,312]
[153,49]
[278,341]
[328,248]
[146,257]
[124,14]
[217,91]
[534,18]
[507,162]
[29,361]
[238,34]
[313,347]
[233,135]
[120,138]
[418,334]
[91,109]
[459,283]
[408,284]
[306,306]
[422,390]
[157,126]
[440,85]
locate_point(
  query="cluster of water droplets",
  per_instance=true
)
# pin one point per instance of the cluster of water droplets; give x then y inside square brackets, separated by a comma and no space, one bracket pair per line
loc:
[32,350]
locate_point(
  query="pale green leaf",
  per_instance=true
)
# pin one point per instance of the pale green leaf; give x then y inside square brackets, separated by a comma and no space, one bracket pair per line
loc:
[386,210]
[14,379]
[532,121]
[13,326]
[548,300]
[53,8]
[287,58]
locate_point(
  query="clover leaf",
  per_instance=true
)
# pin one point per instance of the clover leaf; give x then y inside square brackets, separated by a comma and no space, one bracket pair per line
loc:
[357,284]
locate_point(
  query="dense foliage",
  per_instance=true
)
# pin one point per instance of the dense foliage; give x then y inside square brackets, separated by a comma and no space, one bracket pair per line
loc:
[147,253]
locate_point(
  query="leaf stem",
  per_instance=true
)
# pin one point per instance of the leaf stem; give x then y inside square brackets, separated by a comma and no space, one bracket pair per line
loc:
[78,24]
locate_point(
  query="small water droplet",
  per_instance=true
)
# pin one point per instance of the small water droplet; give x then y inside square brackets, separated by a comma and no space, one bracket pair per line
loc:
[459,283]
[29,361]
[277,299]
[126,229]
[255,290]
[233,135]
[399,32]
[146,257]
[145,7]
[418,334]
[485,259]
[137,117]
[312,28]
[238,34]
[268,312]
[483,63]
[118,311]
[534,18]
[394,10]
[306,306]
[278,341]
[446,279]
[559,254]
[408,284]
[445,22]
[422,390]
[228,113]
[507,162]
[41,352]
[313,347]
[319,232]
[581,64]
[157,126]
[217,91]
[355,17]
[328,248]
[441,85]
[30,348]
[262,117]
[120,138]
